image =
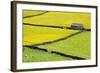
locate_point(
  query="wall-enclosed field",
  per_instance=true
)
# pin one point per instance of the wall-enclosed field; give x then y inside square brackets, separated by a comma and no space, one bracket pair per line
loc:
[35,35]
[60,19]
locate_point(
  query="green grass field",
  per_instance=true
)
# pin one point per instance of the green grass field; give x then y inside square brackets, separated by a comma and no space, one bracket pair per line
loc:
[77,45]
[33,55]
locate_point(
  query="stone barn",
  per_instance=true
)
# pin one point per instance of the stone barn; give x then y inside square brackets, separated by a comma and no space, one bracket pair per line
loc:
[77,26]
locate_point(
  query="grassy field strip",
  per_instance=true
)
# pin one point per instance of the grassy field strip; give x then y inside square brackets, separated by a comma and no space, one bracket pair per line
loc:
[55,52]
[78,45]
[30,13]
[61,19]
[34,55]
[35,35]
